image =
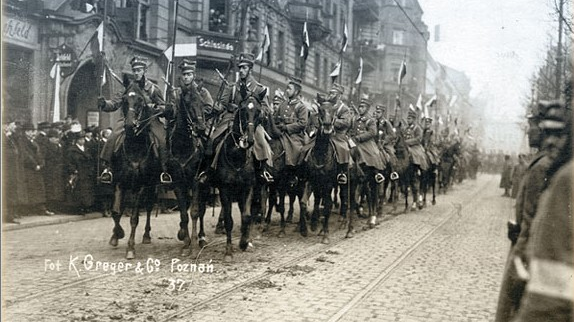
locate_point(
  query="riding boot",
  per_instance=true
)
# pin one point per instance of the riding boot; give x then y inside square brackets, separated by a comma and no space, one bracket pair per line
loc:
[342,176]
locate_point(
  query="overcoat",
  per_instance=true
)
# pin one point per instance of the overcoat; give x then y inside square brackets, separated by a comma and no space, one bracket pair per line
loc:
[54,174]
[413,135]
[364,132]
[81,163]
[32,158]
[339,139]
[506,178]
[430,148]
[295,116]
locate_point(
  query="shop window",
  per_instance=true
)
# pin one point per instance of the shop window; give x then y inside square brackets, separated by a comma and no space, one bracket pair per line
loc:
[218,16]
[281,51]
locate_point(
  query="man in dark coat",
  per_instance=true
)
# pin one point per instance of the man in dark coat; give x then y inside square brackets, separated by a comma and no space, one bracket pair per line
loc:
[386,138]
[80,172]
[33,176]
[54,175]
[14,190]
[533,184]
[506,176]
[340,140]
[153,97]
[363,133]
[230,103]
[428,141]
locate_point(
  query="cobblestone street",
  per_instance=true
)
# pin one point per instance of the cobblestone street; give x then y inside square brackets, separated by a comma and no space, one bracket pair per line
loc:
[442,263]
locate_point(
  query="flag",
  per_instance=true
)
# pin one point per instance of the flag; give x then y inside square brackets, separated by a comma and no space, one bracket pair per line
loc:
[55,74]
[345,38]
[336,71]
[97,41]
[426,111]
[181,50]
[453,100]
[431,102]
[360,75]
[440,120]
[420,102]
[402,72]
[264,46]
[305,46]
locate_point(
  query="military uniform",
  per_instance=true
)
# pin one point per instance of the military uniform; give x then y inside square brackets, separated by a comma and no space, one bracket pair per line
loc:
[413,136]
[294,116]
[343,118]
[429,146]
[152,96]
[364,133]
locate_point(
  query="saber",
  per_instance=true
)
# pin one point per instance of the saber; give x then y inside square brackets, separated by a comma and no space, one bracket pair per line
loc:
[222,77]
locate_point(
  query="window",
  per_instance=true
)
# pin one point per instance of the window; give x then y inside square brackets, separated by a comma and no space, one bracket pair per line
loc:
[218,16]
[398,37]
[141,14]
[326,72]
[317,69]
[281,51]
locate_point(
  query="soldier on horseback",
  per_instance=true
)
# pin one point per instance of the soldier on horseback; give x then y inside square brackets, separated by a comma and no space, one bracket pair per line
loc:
[153,98]
[386,138]
[232,96]
[428,141]
[291,120]
[412,134]
[190,96]
[342,123]
[363,133]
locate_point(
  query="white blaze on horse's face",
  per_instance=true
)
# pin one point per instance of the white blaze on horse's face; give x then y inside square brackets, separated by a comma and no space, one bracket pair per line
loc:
[131,94]
[250,105]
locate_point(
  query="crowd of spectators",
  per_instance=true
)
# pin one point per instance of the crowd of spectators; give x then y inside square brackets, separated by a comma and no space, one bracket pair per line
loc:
[52,168]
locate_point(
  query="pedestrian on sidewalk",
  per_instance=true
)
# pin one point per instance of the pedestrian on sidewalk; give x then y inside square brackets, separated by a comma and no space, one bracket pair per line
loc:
[506,178]
[81,174]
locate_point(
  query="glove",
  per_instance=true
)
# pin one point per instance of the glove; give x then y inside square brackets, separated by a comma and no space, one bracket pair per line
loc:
[101,102]
[513,231]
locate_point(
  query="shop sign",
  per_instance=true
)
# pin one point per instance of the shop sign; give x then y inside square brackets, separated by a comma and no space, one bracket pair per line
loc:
[93,118]
[21,31]
[66,58]
[215,43]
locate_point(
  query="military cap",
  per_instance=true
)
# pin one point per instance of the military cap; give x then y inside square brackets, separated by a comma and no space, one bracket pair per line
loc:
[366,101]
[43,126]
[295,81]
[187,65]
[246,59]
[554,117]
[138,62]
[428,117]
[412,112]
[380,107]
[57,125]
[28,126]
[338,88]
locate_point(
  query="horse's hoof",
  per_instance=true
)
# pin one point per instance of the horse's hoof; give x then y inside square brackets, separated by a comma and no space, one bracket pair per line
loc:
[186,251]
[434,202]
[281,233]
[265,229]
[313,226]
[326,240]
[131,254]
[289,219]
[181,234]
[114,241]
[343,224]
[219,231]
[243,244]
[146,240]
[350,234]
[304,233]
[202,242]
[321,233]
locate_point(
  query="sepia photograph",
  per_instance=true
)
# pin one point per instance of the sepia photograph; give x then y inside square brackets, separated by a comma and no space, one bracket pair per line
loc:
[287,160]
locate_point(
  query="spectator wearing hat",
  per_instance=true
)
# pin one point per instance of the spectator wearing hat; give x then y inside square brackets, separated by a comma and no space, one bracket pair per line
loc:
[290,122]
[506,176]
[153,97]
[14,194]
[80,174]
[231,97]
[413,135]
[33,176]
[54,174]
[41,135]
[532,185]
[363,132]
[343,118]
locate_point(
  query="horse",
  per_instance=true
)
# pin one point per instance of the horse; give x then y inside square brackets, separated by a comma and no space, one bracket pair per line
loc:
[447,163]
[288,181]
[321,167]
[409,173]
[186,154]
[234,174]
[136,166]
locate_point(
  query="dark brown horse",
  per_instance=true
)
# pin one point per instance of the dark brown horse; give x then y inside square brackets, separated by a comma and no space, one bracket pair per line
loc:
[186,147]
[234,174]
[136,166]
[409,173]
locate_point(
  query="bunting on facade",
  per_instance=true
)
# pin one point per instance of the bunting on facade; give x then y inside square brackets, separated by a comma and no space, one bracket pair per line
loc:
[336,71]
[360,74]
[345,38]
[305,45]
[402,72]
[55,74]
[264,51]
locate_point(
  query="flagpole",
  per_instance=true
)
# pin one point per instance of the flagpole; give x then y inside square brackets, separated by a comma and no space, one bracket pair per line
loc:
[171,63]
[101,90]
[398,103]
[263,48]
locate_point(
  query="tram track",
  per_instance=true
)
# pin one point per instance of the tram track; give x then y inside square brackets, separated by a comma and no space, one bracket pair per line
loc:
[385,274]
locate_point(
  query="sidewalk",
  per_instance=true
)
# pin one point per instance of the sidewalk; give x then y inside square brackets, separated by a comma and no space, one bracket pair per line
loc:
[35,221]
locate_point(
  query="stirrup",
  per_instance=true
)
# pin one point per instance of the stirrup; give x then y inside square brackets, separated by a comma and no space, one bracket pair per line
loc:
[165,178]
[267,176]
[202,177]
[106,176]
[394,175]
[379,178]
[341,179]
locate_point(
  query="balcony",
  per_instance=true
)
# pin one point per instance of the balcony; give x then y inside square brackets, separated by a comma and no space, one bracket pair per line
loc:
[312,12]
[366,10]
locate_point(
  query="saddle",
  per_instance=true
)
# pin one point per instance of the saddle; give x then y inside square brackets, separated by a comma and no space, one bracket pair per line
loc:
[121,136]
